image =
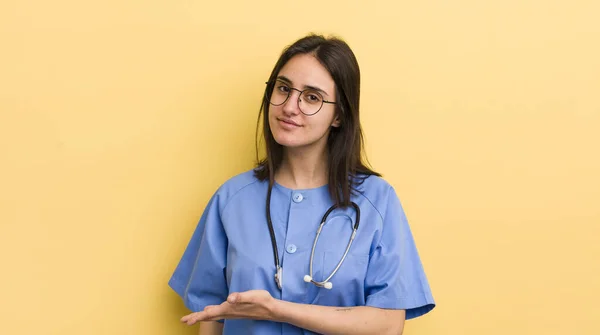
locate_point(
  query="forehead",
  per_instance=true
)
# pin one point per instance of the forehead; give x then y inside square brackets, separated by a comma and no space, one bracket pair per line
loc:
[306,70]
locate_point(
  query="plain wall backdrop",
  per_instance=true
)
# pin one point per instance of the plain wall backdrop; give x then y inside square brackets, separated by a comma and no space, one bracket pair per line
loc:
[119,119]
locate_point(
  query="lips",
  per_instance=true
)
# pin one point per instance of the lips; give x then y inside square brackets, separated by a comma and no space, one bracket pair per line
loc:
[288,122]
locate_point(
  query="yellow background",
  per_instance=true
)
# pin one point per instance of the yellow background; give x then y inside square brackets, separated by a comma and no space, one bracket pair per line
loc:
[118,119]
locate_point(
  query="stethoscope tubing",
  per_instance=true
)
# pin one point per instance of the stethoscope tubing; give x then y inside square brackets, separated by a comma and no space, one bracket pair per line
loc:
[309,278]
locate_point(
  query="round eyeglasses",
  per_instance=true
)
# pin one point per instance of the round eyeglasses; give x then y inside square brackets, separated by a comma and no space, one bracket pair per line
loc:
[310,100]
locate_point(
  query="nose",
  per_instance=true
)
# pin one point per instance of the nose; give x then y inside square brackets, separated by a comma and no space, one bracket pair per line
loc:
[292,105]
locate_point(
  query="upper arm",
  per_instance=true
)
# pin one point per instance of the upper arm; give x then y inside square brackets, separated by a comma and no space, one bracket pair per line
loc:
[211,328]
[395,319]
[395,277]
[199,278]
[399,317]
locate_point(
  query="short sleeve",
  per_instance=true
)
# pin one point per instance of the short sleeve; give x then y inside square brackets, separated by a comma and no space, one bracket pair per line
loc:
[199,278]
[395,277]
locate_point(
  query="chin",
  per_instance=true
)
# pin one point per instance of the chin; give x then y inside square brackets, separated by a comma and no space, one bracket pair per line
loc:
[287,141]
[286,138]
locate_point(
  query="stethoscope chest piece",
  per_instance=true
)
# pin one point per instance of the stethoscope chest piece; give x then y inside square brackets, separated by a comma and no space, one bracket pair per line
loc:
[279,277]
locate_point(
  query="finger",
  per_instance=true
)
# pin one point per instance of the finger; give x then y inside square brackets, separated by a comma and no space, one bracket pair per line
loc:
[208,313]
[191,319]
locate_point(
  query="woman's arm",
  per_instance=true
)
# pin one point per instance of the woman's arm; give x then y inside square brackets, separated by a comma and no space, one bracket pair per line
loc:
[260,305]
[211,328]
[335,320]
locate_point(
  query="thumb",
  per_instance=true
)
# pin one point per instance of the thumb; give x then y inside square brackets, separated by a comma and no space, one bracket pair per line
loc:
[235,298]
[242,297]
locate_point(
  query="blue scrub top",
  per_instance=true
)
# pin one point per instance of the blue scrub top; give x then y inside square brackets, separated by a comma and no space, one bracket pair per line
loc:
[231,251]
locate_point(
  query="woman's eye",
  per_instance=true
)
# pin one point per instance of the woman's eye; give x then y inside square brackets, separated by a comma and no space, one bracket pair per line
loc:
[314,98]
[283,88]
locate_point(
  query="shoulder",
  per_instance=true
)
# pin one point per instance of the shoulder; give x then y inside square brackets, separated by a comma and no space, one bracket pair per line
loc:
[236,184]
[372,184]
[378,192]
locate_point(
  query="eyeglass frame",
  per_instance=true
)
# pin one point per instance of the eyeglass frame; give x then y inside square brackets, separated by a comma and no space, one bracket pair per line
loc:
[323,101]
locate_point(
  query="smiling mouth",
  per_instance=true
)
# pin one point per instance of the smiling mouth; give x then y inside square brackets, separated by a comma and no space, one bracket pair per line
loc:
[290,122]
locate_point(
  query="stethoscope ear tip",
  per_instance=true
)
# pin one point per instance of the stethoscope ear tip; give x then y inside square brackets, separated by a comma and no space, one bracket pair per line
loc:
[328,285]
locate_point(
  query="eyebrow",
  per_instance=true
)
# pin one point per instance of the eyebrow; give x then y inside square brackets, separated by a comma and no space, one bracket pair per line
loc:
[288,81]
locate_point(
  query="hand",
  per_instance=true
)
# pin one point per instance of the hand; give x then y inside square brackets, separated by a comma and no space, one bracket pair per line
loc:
[254,304]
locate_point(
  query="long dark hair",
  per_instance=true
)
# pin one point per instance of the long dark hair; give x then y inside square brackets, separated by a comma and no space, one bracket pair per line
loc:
[347,167]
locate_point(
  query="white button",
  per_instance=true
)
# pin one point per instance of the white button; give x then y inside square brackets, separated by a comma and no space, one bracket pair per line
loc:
[291,248]
[297,197]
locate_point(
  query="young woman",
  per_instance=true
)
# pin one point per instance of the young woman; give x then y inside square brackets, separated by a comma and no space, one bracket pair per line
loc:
[311,240]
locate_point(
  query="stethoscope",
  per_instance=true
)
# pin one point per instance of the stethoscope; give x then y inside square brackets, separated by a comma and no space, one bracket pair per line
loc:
[309,277]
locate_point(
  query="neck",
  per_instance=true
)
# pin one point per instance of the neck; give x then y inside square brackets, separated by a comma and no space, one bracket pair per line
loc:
[302,169]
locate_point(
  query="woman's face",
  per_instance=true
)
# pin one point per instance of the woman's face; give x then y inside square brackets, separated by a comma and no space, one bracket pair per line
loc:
[290,127]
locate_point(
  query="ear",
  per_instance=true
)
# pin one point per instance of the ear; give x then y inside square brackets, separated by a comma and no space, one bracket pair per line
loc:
[336,122]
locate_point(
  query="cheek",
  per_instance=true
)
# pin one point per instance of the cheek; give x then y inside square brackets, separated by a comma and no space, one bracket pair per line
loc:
[271,120]
[316,130]
[322,124]
[273,123]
